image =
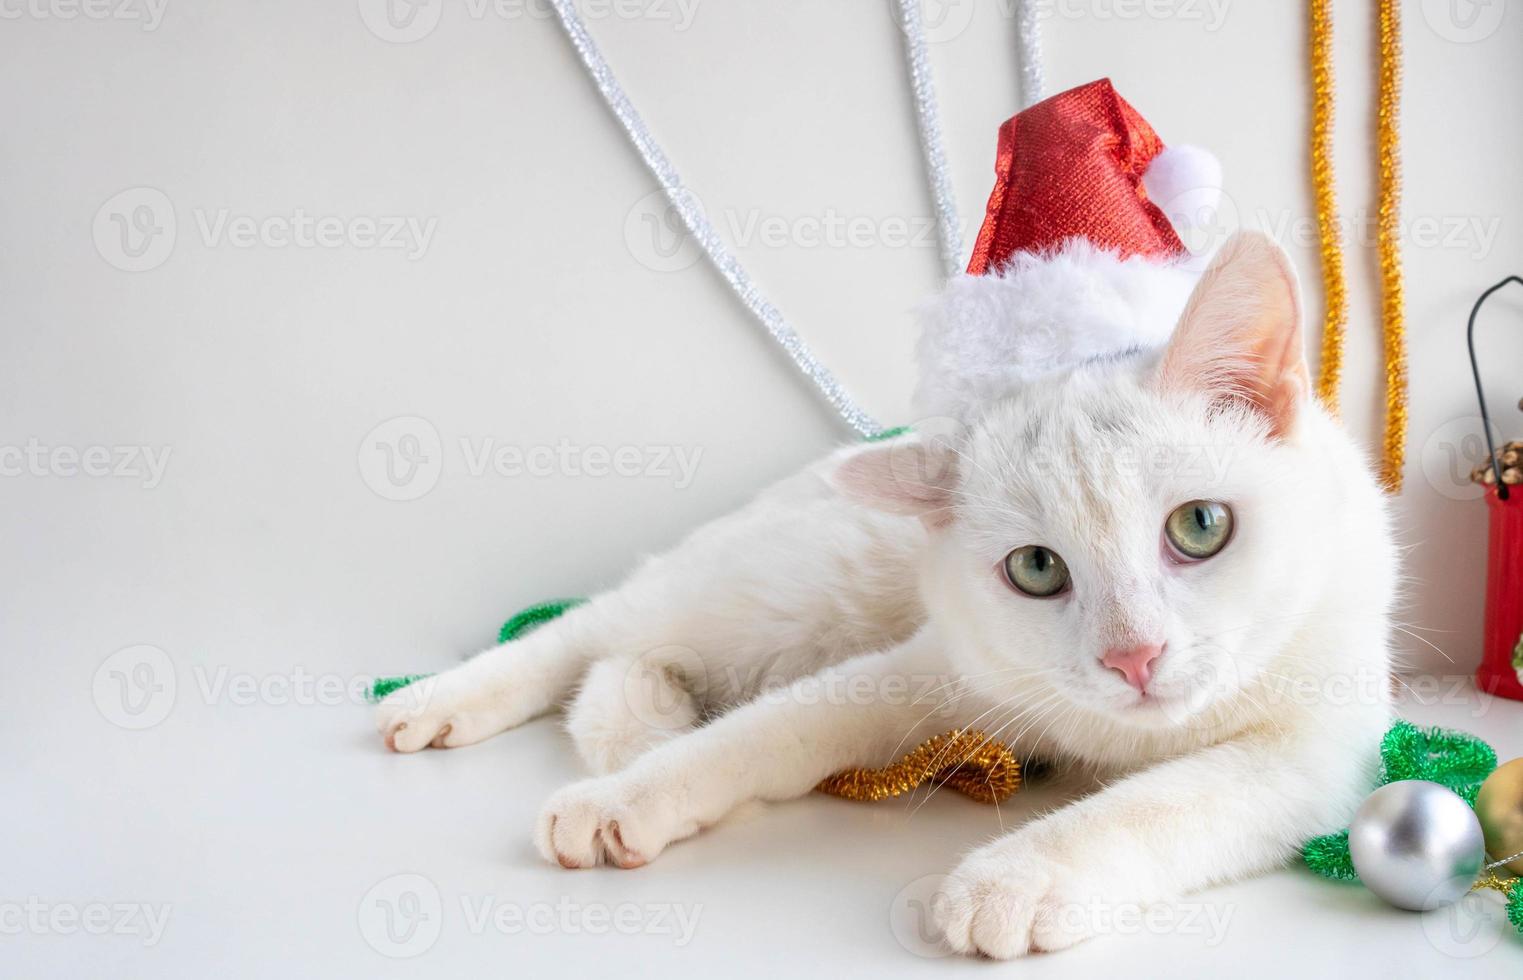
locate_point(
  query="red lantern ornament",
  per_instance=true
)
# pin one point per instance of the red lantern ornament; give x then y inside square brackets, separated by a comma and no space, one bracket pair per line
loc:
[1501,670]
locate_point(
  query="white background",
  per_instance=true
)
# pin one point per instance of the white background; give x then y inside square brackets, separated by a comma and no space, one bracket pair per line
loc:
[539,314]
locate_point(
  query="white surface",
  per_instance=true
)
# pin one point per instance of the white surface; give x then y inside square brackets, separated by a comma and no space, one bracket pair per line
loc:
[533,317]
[264,829]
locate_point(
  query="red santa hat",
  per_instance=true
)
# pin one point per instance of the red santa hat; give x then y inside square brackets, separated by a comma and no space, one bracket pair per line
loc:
[1080,255]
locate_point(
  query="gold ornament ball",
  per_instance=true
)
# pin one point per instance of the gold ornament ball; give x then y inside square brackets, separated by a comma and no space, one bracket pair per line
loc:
[1500,807]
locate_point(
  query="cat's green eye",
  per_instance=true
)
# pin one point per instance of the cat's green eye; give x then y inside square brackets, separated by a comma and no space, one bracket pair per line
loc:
[1036,571]
[1199,529]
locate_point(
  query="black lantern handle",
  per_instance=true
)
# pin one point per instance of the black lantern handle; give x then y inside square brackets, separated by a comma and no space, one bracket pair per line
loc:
[1496,464]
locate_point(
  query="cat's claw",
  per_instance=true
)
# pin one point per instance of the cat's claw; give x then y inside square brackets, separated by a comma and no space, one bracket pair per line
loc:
[989,907]
[602,821]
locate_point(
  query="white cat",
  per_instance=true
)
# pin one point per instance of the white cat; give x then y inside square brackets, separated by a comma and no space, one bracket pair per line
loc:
[1170,569]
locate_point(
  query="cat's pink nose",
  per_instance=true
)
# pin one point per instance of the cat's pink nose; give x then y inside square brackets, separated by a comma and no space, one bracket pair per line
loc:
[1134,663]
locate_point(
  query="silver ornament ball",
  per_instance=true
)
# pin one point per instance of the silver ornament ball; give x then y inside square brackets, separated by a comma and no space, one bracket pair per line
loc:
[1417,845]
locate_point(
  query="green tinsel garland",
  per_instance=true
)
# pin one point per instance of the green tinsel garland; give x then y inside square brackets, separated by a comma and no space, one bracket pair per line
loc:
[887,434]
[515,628]
[534,617]
[1329,857]
[385,685]
[1453,759]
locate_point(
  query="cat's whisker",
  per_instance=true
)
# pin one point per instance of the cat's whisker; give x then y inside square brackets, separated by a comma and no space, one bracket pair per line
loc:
[1018,710]
[905,738]
[1021,670]
[1423,639]
[1007,719]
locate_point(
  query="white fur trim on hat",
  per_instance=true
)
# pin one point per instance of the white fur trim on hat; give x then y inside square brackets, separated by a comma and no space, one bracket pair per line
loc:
[984,336]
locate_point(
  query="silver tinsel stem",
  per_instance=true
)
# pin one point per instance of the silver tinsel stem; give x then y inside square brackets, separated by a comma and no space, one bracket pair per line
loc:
[924,89]
[704,233]
[1028,34]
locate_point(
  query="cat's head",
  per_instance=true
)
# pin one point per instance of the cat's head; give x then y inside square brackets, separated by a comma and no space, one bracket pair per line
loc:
[1141,532]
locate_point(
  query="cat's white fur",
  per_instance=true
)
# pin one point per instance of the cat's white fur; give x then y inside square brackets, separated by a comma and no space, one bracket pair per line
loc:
[814,630]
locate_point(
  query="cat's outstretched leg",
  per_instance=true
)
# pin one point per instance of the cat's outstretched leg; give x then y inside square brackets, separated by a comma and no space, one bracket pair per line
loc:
[495,690]
[860,712]
[1223,813]
[800,578]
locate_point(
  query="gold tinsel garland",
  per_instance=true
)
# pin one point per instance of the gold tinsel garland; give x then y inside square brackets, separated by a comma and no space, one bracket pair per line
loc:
[1335,315]
[968,761]
[1388,231]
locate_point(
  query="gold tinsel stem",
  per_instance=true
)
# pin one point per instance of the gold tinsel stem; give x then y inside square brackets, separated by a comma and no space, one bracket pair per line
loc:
[1335,318]
[1496,883]
[1388,230]
[968,761]
[1388,242]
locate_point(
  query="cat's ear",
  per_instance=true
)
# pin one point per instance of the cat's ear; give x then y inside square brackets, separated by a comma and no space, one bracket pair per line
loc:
[905,476]
[1240,334]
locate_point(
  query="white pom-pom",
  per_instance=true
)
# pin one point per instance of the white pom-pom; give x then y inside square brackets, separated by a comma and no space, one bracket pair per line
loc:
[1186,184]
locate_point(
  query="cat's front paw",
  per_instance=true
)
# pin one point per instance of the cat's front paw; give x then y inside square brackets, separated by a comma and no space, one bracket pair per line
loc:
[444,711]
[1000,907]
[611,819]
